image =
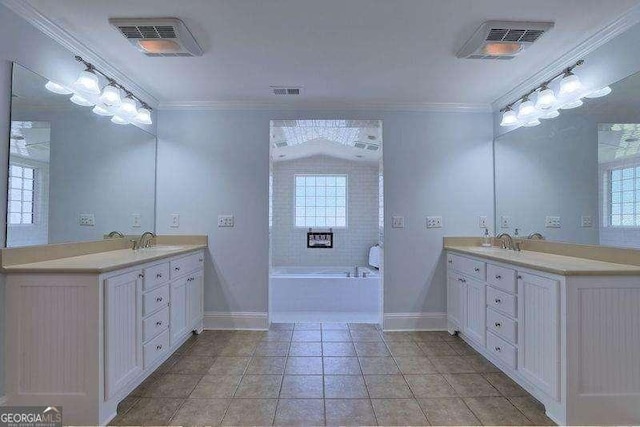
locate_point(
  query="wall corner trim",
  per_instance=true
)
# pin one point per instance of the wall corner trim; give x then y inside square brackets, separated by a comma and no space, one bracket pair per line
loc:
[238,320]
[421,321]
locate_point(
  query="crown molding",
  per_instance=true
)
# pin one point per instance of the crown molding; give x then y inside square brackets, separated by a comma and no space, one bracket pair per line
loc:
[329,105]
[591,43]
[76,47]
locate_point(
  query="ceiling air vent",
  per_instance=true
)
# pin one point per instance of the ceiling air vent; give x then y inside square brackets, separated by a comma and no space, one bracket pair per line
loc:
[503,39]
[158,37]
[280,90]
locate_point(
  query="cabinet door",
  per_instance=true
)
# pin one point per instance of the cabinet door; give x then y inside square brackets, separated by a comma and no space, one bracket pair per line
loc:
[178,310]
[475,311]
[539,331]
[195,284]
[123,330]
[455,301]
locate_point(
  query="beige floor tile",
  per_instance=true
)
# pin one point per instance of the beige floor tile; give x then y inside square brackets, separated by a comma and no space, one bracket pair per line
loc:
[292,412]
[336,335]
[349,412]
[150,411]
[415,365]
[302,387]
[308,326]
[266,365]
[363,327]
[192,364]
[532,409]
[278,335]
[446,336]
[216,386]
[259,386]
[433,385]
[205,348]
[229,366]
[304,366]
[338,349]
[250,412]
[437,348]
[272,348]
[463,349]
[186,345]
[378,365]
[505,385]
[341,366]
[306,335]
[201,412]
[365,348]
[427,336]
[496,411]
[126,404]
[141,390]
[281,327]
[471,385]
[168,364]
[452,365]
[398,336]
[237,349]
[365,335]
[448,411]
[480,364]
[398,412]
[387,386]
[305,349]
[345,387]
[334,326]
[173,385]
[404,348]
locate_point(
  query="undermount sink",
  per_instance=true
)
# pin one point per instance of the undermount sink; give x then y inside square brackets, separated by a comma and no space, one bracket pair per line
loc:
[163,248]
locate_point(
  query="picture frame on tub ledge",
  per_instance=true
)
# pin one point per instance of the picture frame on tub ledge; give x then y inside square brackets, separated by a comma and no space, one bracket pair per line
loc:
[320,239]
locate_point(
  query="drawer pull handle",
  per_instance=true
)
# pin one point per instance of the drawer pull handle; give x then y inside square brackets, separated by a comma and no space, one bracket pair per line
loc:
[177,269]
[450,261]
[159,276]
[200,259]
[159,323]
[159,299]
[498,324]
[477,269]
[497,301]
[519,277]
[462,280]
[141,276]
[498,349]
[498,276]
[159,347]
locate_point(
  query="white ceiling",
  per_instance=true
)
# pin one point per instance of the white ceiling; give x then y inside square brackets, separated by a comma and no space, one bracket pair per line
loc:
[350,52]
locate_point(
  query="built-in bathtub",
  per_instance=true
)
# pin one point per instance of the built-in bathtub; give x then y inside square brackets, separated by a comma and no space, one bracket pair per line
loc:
[325,294]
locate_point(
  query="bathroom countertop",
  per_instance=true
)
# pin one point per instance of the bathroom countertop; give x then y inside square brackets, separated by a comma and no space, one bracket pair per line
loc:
[102,262]
[551,263]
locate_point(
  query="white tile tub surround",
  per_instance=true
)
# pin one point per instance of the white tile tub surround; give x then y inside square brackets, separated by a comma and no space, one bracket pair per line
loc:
[351,244]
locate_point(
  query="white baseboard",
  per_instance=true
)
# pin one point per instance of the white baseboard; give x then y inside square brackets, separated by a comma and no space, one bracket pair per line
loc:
[321,316]
[236,320]
[433,321]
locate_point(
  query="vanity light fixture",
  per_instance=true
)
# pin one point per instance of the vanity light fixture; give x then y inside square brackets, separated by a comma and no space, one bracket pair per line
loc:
[108,102]
[569,94]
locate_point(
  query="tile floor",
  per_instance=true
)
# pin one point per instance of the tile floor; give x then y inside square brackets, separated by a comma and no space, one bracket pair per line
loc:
[328,374]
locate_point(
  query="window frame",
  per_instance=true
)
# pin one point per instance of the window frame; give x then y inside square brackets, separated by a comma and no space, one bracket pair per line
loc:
[608,170]
[346,200]
[34,196]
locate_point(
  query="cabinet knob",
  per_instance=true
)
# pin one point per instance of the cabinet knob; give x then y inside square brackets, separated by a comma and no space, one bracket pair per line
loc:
[159,276]
[498,349]
[200,259]
[497,301]
[498,276]
[159,323]
[141,276]
[519,277]
[477,269]
[159,299]
[177,269]
[450,261]
[498,324]
[159,347]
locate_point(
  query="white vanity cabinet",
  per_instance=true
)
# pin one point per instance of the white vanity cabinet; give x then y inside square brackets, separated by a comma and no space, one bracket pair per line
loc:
[85,340]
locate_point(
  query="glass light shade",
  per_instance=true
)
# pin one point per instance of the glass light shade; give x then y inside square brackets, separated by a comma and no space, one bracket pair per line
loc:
[526,109]
[144,116]
[119,120]
[110,96]
[599,92]
[81,100]
[57,88]
[546,99]
[531,123]
[102,110]
[550,114]
[573,104]
[87,82]
[128,108]
[569,84]
[509,118]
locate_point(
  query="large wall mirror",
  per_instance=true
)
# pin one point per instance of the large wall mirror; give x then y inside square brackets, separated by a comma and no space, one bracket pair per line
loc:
[73,175]
[575,178]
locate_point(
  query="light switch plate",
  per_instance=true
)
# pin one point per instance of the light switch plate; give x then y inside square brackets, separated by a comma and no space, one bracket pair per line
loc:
[135,220]
[397,221]
[482,222]
[87,220]
[175,221]
[586,221]
[552,222]
[505,221]
[225,221]
[434,222]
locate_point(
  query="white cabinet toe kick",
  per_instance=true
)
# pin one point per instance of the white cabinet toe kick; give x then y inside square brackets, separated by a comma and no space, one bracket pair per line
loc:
[84,341]
[571,341]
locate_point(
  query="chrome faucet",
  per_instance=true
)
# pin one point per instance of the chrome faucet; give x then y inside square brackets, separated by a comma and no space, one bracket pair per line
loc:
[357,271]
[505,245]
[144,241]
[534,236]
[114,234]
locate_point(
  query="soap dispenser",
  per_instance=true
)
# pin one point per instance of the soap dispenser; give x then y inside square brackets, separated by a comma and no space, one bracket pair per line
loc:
[486,239]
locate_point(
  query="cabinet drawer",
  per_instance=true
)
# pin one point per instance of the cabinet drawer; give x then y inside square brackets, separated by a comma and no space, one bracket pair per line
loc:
[186,264]
[153,300]
[155,348]
[501,325]
[502,350]
[467,266]
[155,275]
[502,277]
[501,301]
[154,324]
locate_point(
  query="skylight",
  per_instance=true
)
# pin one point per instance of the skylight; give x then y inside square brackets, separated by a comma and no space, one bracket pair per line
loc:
[350,133]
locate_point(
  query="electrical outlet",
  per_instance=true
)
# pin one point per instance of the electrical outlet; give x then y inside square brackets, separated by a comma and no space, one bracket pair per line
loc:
[482,222]
[586,221]
[434,222]
[505,221]
[397,221]
[175,221]
[135,220]
[225,220]
[87,220]
[552,222]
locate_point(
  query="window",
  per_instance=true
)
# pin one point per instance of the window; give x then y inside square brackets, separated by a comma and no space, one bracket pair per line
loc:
[624,197]
[21,188]
[321,201]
